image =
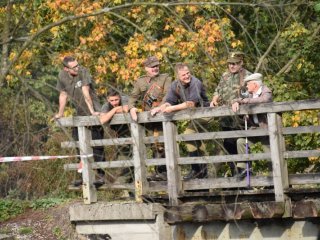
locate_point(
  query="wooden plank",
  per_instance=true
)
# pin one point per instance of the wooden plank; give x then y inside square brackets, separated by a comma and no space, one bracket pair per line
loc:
[301,129]
[224,158]
[279,177]
[301,154]
[220,183]
[222,135]
[195,113]
[89,191]
[229,182]
[173,169]
[139,156]
[96,165]
[301,179]
[100,142]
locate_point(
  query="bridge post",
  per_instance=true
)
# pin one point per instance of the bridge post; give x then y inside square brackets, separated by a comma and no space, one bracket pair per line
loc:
[89,191]
[279,169]
[173,169]
[139,156]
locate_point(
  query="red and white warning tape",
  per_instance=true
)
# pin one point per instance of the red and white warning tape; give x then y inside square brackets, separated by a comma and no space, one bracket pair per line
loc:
[32,158]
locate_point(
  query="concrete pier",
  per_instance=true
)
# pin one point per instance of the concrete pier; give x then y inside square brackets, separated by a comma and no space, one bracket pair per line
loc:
[142,221]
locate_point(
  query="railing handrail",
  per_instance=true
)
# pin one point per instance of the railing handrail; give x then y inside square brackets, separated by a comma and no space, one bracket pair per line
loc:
[275,131]
[194,113]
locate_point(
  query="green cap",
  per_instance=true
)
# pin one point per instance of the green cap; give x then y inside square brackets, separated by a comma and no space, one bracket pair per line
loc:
[235,57]
[151,62]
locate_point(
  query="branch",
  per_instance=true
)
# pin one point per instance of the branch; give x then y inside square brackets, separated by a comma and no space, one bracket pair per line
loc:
[288,66]
[273,42]
[108,10]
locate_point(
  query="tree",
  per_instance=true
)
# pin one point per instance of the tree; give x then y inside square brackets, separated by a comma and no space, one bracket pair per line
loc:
[113,37]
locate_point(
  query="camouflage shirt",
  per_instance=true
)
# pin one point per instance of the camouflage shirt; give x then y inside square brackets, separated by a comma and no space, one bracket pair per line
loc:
[229,86]
[147,91]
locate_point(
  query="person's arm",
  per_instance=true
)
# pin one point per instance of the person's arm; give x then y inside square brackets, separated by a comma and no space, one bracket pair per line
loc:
[105,117]
[214,101]
[263,98]
[63,98]
[135,95]
[161,108]
[178,107]
[123,109]
[88,99]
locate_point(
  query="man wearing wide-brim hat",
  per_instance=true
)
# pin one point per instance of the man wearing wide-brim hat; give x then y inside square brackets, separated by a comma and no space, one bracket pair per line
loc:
[258,93]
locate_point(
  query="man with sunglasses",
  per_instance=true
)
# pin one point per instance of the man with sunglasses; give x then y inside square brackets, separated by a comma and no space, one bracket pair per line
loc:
[75,83]
[231,86]
[149,92]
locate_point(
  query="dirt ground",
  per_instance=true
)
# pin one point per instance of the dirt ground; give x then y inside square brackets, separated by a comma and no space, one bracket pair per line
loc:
[49,224]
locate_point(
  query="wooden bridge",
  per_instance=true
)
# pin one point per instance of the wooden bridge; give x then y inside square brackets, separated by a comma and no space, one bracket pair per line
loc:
[279,195]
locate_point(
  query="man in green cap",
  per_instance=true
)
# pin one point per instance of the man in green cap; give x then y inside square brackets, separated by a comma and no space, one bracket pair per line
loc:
[230,84]
[230,87]
[149,92]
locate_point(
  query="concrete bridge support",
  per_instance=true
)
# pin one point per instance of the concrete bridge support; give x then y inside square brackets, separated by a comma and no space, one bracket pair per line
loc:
[134,221]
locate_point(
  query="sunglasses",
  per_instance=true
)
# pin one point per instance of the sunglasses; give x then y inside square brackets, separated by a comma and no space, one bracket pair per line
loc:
[73,68]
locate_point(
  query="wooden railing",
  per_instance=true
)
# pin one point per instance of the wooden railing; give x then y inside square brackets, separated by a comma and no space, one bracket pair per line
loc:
[175,186]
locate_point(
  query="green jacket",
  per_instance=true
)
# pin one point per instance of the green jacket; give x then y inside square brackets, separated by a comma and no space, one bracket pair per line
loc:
[149,92]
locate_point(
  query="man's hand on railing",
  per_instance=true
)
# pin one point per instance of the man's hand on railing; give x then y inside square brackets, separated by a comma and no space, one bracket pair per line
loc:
[123,109]
[56,116]
[154,111]
[235,106]
[133,114]
[95,113]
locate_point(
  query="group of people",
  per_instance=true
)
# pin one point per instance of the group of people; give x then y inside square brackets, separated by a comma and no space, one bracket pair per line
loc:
[157,93]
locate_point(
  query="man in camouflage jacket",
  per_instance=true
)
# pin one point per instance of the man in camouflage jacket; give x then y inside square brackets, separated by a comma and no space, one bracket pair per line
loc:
[230,87]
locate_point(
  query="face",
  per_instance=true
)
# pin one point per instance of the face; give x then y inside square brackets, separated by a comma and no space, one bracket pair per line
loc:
[114,101]
[184,75]
[72,68]
[251,85]
[152,71]
[235,67]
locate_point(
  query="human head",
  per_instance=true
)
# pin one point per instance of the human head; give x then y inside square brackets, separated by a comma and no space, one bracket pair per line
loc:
[253,82]
[183,73]
[70,65]
[113,98]
[151,65]
[235,61]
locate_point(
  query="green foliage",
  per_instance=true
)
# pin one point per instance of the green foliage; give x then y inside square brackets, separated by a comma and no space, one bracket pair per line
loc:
[46,203]
[58,233]
[11,208]
[25,230]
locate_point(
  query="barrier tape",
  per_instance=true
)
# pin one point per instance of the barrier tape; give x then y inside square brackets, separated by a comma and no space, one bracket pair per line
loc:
[35,158]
